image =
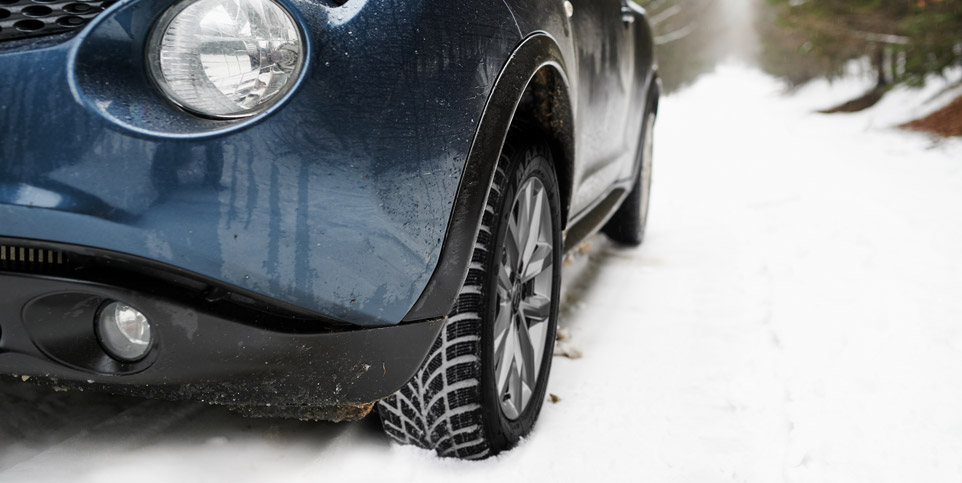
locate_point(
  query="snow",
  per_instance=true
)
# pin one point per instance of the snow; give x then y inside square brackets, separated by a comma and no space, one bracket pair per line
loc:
[794,315]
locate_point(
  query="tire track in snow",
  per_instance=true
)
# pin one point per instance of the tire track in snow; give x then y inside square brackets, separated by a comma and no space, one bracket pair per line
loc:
[132,428]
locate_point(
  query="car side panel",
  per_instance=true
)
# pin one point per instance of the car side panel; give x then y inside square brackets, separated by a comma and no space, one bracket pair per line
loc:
[609,66]
[643,78]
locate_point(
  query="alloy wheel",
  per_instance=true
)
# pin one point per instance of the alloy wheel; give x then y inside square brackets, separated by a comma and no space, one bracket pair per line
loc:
[524,293]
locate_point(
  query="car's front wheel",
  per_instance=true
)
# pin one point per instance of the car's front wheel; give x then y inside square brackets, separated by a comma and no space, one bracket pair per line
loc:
[482,386]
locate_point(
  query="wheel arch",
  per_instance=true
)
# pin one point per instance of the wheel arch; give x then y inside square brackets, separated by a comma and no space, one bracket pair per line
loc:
[546,108]
[537,69]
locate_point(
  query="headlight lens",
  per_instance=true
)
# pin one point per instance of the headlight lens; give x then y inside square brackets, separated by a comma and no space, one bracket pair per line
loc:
[225,58]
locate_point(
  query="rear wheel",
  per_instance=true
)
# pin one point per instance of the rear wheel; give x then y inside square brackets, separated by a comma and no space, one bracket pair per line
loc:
[483,383]
[627,226]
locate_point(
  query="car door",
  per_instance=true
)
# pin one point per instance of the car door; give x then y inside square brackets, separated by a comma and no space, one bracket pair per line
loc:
[604,39]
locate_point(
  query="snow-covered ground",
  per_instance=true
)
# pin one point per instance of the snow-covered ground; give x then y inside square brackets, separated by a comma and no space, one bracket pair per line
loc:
[794,315]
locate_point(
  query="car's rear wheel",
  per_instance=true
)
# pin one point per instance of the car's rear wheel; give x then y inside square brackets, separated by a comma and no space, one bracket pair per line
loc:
[482,386]
[627,225]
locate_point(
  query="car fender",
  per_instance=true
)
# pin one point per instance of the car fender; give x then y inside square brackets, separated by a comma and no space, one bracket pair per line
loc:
[537,51]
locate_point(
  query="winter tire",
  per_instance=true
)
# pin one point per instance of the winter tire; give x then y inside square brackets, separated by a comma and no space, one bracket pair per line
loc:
[482,386]
[627,226]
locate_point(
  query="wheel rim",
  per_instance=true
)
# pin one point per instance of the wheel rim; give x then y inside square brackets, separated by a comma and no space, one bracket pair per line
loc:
[524,290]
[647,156]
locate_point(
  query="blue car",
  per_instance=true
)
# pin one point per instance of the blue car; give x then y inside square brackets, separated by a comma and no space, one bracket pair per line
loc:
[309,208]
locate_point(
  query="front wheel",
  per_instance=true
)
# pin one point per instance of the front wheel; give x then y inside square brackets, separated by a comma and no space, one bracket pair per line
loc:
[482,386]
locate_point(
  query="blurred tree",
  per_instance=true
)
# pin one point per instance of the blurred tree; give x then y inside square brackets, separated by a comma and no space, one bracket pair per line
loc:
[905,40]
[935,33]
[686,38]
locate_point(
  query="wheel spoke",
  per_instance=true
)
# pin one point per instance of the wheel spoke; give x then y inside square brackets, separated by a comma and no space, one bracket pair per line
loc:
[512,242]
[518,344]
[523,208]
[533,227]
[536,309]
[526,352]
[541,259]
[504,356]
[515,390]
[537,334]
[504,283]
[502,322]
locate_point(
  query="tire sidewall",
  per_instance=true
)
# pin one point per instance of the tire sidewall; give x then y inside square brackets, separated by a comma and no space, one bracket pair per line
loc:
[646,163]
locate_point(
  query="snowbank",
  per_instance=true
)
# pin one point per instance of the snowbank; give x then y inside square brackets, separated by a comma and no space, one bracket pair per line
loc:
[793,316]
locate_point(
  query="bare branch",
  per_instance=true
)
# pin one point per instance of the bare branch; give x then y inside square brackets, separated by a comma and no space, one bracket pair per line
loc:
[664,15]
[655,4]
[676,34]
[881,38]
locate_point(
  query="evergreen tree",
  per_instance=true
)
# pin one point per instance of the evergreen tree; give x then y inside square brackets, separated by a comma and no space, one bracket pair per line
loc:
[905,40]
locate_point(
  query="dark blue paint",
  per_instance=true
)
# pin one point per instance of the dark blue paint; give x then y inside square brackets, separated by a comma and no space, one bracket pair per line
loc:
[337,201]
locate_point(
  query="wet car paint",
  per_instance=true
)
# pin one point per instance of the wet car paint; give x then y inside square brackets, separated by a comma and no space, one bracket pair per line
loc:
[338,200]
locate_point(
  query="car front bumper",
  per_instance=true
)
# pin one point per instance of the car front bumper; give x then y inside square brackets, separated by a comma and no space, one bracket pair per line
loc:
[336,200]
[206,345]
[284,258]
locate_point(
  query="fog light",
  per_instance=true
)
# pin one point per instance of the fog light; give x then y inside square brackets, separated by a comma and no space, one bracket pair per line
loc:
[124,331]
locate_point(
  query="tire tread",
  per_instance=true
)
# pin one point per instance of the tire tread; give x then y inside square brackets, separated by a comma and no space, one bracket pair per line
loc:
[440,407]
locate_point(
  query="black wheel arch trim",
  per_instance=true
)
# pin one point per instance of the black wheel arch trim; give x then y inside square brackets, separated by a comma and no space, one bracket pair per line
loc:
[536,51]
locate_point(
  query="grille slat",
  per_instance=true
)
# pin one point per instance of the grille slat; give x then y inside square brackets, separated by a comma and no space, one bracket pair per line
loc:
[34,18]
[10,255]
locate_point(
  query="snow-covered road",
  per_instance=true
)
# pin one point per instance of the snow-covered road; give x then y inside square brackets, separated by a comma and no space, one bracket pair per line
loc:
[794,315]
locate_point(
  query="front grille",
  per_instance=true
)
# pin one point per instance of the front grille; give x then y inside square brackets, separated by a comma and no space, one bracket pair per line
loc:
[27,256]
[82,265]
[33,18]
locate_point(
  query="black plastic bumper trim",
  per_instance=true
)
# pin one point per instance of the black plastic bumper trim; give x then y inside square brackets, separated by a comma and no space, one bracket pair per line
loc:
[96,265]
[199,354]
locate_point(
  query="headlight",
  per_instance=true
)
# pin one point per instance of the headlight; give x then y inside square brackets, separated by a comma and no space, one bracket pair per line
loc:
[225,58]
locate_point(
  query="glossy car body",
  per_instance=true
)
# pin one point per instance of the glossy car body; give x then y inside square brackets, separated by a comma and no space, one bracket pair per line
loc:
[304,257]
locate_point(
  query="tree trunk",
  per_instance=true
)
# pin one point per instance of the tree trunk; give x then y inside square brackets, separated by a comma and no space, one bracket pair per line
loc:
[882,79]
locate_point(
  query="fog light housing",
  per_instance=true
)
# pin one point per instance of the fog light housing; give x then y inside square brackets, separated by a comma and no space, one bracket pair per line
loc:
[225,59]
[123,331]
